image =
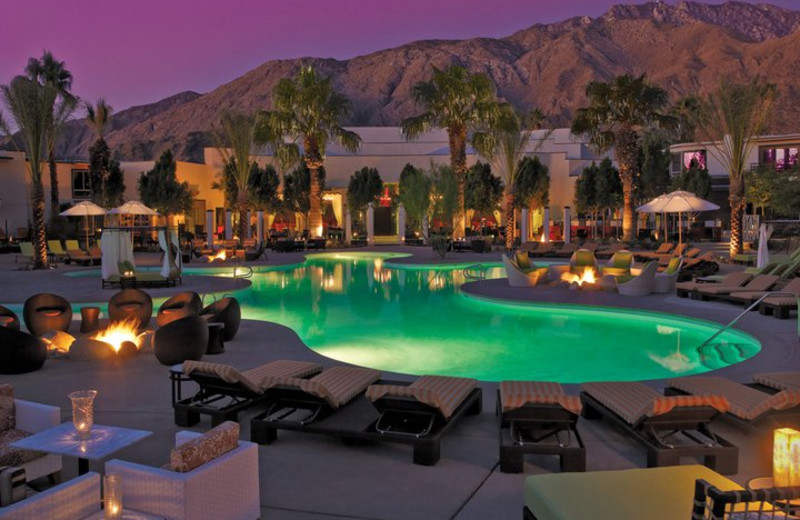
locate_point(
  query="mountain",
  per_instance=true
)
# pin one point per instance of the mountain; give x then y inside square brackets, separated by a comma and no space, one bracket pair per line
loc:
[686,48]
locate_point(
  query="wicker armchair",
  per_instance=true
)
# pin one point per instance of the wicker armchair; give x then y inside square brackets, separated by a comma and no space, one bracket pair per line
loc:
[226,487]
[78,498]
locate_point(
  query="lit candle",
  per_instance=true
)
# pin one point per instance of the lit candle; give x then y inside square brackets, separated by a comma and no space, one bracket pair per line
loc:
[83,412]
[112,497]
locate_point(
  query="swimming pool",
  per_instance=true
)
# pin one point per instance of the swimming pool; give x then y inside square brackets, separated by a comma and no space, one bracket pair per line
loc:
[362,308]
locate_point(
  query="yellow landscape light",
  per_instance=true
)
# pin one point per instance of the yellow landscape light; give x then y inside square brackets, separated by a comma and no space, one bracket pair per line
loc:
[786,457]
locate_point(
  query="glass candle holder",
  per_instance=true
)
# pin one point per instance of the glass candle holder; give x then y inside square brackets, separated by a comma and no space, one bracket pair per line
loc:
[83,412]
[112,497]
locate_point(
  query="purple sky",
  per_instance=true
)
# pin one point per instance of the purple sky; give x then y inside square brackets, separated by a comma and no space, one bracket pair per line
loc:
[134,52]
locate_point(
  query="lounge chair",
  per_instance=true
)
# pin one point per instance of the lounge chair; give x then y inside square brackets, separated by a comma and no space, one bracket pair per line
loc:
[55,250]
[522,272]
[542,249]
[419,414]
[778,380]
[566,250]
[663,249]
[224,391]
[25,252]
[302,401]
[669,427]
[619,264]
[96,254]
[538,417]
[778,306]
[673,493]
[590,246]
[78,256]
[424,410]
[762,282]
[640,284]
[256,253]
[749,297]
[8,318]
[71,244]
[606,251]
[665,259]
[735,280]
[664,282]
[746,404]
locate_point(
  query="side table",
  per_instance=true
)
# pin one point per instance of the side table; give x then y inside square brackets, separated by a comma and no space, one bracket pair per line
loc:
[90,319]
[215,344]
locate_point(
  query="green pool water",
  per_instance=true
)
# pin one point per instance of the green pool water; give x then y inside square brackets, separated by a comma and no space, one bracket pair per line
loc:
[367,310]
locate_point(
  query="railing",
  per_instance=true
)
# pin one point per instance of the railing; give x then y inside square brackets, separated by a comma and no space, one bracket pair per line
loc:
[475,272]
[242,272]
[748,309]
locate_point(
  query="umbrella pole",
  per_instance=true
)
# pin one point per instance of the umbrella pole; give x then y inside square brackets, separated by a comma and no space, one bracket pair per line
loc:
[680,228]
[87,232]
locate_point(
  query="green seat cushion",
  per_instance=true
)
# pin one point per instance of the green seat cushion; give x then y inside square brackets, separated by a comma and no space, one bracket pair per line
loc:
[625,278]
[522,260]
[622,260]
[617,271]
[673,265]
[654,493]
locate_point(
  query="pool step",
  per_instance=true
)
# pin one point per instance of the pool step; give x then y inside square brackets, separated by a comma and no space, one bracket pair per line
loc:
[718,355]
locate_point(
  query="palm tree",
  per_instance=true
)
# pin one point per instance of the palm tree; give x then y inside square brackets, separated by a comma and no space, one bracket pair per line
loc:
[235,143]
[617,114]
[31,107]
[736,113]
[463,103]
[308,109]
[99,116]
[49,71]
[505,148]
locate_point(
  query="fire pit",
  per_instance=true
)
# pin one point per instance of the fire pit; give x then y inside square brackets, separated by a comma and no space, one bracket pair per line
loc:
[119,339]
[221,256]
[122,336]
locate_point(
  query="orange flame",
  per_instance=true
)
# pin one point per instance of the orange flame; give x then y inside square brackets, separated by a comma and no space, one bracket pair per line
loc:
[588,276]
[120,331]
[221,256]
[543,239]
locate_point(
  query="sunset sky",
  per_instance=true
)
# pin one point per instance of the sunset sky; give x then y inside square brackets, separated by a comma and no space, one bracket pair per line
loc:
[137,52]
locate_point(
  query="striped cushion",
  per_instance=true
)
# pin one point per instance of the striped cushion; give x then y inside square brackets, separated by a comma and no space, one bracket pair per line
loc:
[629,400]
[252,379]
[746,403]
[750,296]
[761,282]
[516,394]
[779,380]
[337,385]
[440,392]
[781,301]
[666,404]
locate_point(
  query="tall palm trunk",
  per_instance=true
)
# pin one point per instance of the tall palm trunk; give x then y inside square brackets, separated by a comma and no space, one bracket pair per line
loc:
[737,201]
[626,151]
[241,208]
[509,211]
[38,233]
[314,163]
[457,137]
[54,203]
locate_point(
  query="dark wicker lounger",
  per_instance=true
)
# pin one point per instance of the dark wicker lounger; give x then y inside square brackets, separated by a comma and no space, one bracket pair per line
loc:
[224,391]
[669,427]
[382,414]
[538,417]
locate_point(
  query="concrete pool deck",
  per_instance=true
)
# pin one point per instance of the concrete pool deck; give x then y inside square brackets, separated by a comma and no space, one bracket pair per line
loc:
[307,477]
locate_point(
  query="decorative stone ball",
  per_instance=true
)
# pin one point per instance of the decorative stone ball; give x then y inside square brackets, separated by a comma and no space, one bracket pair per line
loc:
[88,349]
[127,349]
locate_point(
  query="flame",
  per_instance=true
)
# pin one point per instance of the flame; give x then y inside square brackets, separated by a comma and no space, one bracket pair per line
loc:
[588,276]
[120,331]
[221,256]
[542,239]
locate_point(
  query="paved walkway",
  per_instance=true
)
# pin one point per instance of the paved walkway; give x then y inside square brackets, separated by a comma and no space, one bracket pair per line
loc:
[307,477]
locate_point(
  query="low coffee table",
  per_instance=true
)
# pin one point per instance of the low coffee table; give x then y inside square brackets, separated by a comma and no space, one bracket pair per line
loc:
[63,440]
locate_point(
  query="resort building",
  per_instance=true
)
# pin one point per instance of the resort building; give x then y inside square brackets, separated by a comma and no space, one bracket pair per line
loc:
[384,148]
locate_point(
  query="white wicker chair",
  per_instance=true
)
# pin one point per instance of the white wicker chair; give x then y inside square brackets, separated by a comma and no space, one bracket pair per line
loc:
[640,285]
[665,282]
[226,487]
[78,498]
[33,418]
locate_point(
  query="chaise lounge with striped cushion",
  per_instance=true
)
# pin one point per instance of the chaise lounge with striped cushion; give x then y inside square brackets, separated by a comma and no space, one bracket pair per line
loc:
[778,380]
[225,391]
[738,279]
[762,282]
[538,417]
[745,403]
[670,427]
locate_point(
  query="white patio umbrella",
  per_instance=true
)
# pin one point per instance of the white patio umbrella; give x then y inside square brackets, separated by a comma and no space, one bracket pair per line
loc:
[133,207]
[677,202]
[764,233]
[85,208]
